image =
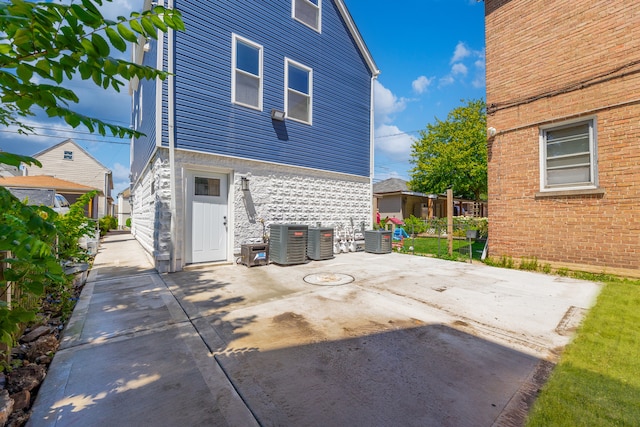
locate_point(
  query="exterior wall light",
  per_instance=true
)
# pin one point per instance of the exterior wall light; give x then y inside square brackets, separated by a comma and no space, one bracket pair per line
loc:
[244,183]
[277,115]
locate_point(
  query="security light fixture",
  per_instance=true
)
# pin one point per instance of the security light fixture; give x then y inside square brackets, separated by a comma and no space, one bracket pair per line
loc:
[277,115]
[244,183]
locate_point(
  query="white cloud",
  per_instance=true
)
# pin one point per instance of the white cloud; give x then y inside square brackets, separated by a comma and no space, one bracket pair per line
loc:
[421,84]
[446,80]
[462,60]
[120,186]
[386,103]
[120,173]
[115,8]
[461,52]
[44,132]
[459,69]
[381,176]
[392,141]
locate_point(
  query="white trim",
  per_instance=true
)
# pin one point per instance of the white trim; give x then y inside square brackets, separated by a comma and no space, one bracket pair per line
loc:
[287,62]
[593,155]
[159,85]
[234,40]
[246,159]
[351,26]
[190,171]
[173,251]
[317,6]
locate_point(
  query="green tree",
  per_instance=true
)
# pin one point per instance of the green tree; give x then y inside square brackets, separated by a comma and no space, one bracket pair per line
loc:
[43,46]
[453,153]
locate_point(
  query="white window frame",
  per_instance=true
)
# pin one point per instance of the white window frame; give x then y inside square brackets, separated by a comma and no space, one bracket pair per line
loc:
[308,3]
[235,39]
[288,62]
[593,156]
[140,105]
[68,156]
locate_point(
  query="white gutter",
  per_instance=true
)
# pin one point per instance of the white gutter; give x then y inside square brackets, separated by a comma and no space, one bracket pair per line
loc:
[172,145]
[372,143]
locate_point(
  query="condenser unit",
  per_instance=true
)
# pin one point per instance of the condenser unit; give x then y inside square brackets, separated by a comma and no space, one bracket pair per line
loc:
[288,243]
[320,244]
[377,241]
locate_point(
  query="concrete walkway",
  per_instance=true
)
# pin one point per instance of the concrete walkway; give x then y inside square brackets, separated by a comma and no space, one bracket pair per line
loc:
[407,341]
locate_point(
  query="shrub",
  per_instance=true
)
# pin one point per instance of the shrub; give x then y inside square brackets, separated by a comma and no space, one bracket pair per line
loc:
[107,223]
[414,225]
[529,264]
[128,222]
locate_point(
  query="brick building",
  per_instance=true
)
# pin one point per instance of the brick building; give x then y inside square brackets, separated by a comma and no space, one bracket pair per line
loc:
[563,117]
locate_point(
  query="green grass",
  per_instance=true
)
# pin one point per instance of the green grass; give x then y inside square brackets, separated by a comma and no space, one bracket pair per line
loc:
[597,381]
[430,246]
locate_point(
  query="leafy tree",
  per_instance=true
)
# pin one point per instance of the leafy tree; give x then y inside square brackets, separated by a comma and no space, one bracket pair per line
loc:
[43,45]
[453,153]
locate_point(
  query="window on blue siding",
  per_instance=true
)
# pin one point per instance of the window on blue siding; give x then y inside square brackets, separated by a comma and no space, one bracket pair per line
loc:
[308,12]
[246,80]
[298,96]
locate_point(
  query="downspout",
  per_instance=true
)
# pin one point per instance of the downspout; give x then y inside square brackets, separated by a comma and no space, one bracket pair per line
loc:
[374,77]
[172,144]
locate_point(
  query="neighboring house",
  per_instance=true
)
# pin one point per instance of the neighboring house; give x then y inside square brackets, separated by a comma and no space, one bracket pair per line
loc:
[267,117]
[394,199]
[7,170]
[563,116]
[124,208]
[20,186]
[68,161]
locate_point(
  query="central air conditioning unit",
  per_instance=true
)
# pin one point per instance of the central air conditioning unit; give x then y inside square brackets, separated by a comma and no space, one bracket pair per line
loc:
[288,243]
[320,244]
[377,241]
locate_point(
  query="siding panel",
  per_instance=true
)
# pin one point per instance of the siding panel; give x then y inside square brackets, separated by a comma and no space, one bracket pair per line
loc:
[144,146]
[207,121]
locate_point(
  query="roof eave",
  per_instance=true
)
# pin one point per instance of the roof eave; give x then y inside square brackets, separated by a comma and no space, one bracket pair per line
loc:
[351,25]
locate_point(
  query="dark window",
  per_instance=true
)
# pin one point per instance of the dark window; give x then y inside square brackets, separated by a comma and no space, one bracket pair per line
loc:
[207,187]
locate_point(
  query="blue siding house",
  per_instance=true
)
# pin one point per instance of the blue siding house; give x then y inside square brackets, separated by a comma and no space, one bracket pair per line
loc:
[267,118]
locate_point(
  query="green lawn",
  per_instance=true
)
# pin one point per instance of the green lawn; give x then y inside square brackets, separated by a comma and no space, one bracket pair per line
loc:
[438,247]
[597,381]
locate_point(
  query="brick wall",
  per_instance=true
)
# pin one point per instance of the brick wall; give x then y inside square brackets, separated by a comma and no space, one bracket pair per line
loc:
[548,61]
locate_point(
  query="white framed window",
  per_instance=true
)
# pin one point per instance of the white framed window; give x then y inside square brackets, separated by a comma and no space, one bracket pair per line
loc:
[309,12]
[298,98]
[568,156]
[67,155]
[246,77]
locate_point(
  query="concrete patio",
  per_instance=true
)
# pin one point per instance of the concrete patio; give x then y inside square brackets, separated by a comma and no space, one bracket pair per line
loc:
[409,341]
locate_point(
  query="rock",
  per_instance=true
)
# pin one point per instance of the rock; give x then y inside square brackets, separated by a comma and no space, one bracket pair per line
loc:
[43,360]
[26,378]
[21,400]
[19,352]
[18,419]
[36,333]
[6,406]
[44,346]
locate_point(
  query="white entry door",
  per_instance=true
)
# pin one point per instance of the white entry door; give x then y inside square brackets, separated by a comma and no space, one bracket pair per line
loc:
[207,210]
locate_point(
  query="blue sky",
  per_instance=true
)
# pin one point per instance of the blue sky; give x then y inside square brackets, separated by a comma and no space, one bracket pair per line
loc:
[430,53]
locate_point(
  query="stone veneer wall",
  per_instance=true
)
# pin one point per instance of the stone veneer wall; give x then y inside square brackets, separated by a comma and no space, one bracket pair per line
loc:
[278,194]
[151,213]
